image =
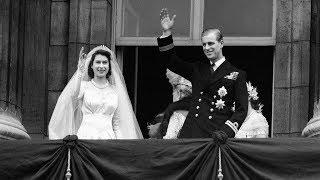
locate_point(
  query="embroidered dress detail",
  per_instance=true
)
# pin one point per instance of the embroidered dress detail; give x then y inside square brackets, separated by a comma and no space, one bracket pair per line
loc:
[175,124]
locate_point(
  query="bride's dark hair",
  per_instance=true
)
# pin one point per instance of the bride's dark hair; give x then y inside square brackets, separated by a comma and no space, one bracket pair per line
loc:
[255,104]
[103,53]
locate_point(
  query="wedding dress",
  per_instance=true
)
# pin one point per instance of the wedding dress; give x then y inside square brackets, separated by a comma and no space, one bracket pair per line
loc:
[175,124]
[91,111]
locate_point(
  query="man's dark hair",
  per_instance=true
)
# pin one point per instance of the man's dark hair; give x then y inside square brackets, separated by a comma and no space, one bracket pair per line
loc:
[211,30]
[103,53]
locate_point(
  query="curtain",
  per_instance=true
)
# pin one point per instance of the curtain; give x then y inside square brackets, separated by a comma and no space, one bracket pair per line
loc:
[283,158]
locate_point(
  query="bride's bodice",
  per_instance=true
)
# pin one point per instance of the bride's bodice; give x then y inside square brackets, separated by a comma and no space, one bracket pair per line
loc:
[99,104]
[98,100]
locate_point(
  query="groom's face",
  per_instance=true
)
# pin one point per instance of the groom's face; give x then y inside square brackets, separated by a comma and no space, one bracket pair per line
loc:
[212,48]
[100,66]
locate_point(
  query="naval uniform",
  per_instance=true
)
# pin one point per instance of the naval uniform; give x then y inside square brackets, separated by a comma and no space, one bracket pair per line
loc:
[219,96]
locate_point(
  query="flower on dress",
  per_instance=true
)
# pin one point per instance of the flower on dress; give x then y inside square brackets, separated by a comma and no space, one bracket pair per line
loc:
[222,91]
[220,104]
[232,76]
[252,91]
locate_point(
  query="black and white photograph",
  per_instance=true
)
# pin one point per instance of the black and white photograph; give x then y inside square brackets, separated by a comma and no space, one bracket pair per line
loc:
[159,89]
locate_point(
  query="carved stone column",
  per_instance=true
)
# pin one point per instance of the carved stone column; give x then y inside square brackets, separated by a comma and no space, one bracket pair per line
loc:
[11,66]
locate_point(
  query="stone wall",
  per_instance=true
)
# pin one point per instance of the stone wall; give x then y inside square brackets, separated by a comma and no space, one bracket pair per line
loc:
[291,67]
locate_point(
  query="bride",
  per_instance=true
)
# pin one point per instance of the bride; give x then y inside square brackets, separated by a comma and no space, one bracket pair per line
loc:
[255,124]
[95,103]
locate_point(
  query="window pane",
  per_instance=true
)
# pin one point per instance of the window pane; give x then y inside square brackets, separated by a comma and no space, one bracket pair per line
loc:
[141,17]
[244,18]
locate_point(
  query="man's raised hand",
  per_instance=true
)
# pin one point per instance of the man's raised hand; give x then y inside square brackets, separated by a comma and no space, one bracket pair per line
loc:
[165,20]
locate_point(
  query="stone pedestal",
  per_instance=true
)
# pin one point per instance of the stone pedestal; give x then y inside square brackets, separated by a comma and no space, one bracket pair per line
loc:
[313,127]
[11,128]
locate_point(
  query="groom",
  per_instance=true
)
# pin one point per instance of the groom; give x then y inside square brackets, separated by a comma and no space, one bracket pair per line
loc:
[219,100]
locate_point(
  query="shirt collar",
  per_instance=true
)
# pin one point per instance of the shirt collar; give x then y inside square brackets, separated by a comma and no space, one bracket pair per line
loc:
[219,62]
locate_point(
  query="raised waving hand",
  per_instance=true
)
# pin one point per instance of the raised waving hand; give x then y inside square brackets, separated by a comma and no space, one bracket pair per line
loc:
[166,22]
[82,60]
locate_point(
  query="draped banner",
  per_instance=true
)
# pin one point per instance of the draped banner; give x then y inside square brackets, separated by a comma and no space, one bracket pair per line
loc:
[285,158]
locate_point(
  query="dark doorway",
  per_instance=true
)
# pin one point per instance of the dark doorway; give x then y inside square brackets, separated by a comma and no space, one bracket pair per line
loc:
[154,92]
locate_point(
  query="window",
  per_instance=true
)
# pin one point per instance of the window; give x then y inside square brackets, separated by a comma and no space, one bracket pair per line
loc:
[141,18]
[248,26]
[138,21]
[245,22]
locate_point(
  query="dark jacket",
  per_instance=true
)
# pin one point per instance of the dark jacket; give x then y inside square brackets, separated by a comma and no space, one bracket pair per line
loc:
[208,110]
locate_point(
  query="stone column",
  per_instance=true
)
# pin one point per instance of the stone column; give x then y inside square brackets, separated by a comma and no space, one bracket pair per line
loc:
[291,67]
[11,45]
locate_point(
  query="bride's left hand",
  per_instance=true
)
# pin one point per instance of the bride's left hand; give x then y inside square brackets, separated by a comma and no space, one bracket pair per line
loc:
[82,60]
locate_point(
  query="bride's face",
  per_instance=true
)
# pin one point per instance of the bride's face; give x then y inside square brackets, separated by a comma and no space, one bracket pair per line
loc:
[100,66]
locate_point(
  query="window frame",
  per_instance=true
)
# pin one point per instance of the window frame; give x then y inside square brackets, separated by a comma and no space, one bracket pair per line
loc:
[196,27]
[151,41]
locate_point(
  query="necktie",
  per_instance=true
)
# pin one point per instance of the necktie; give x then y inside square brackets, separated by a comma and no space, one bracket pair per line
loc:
[211,67]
